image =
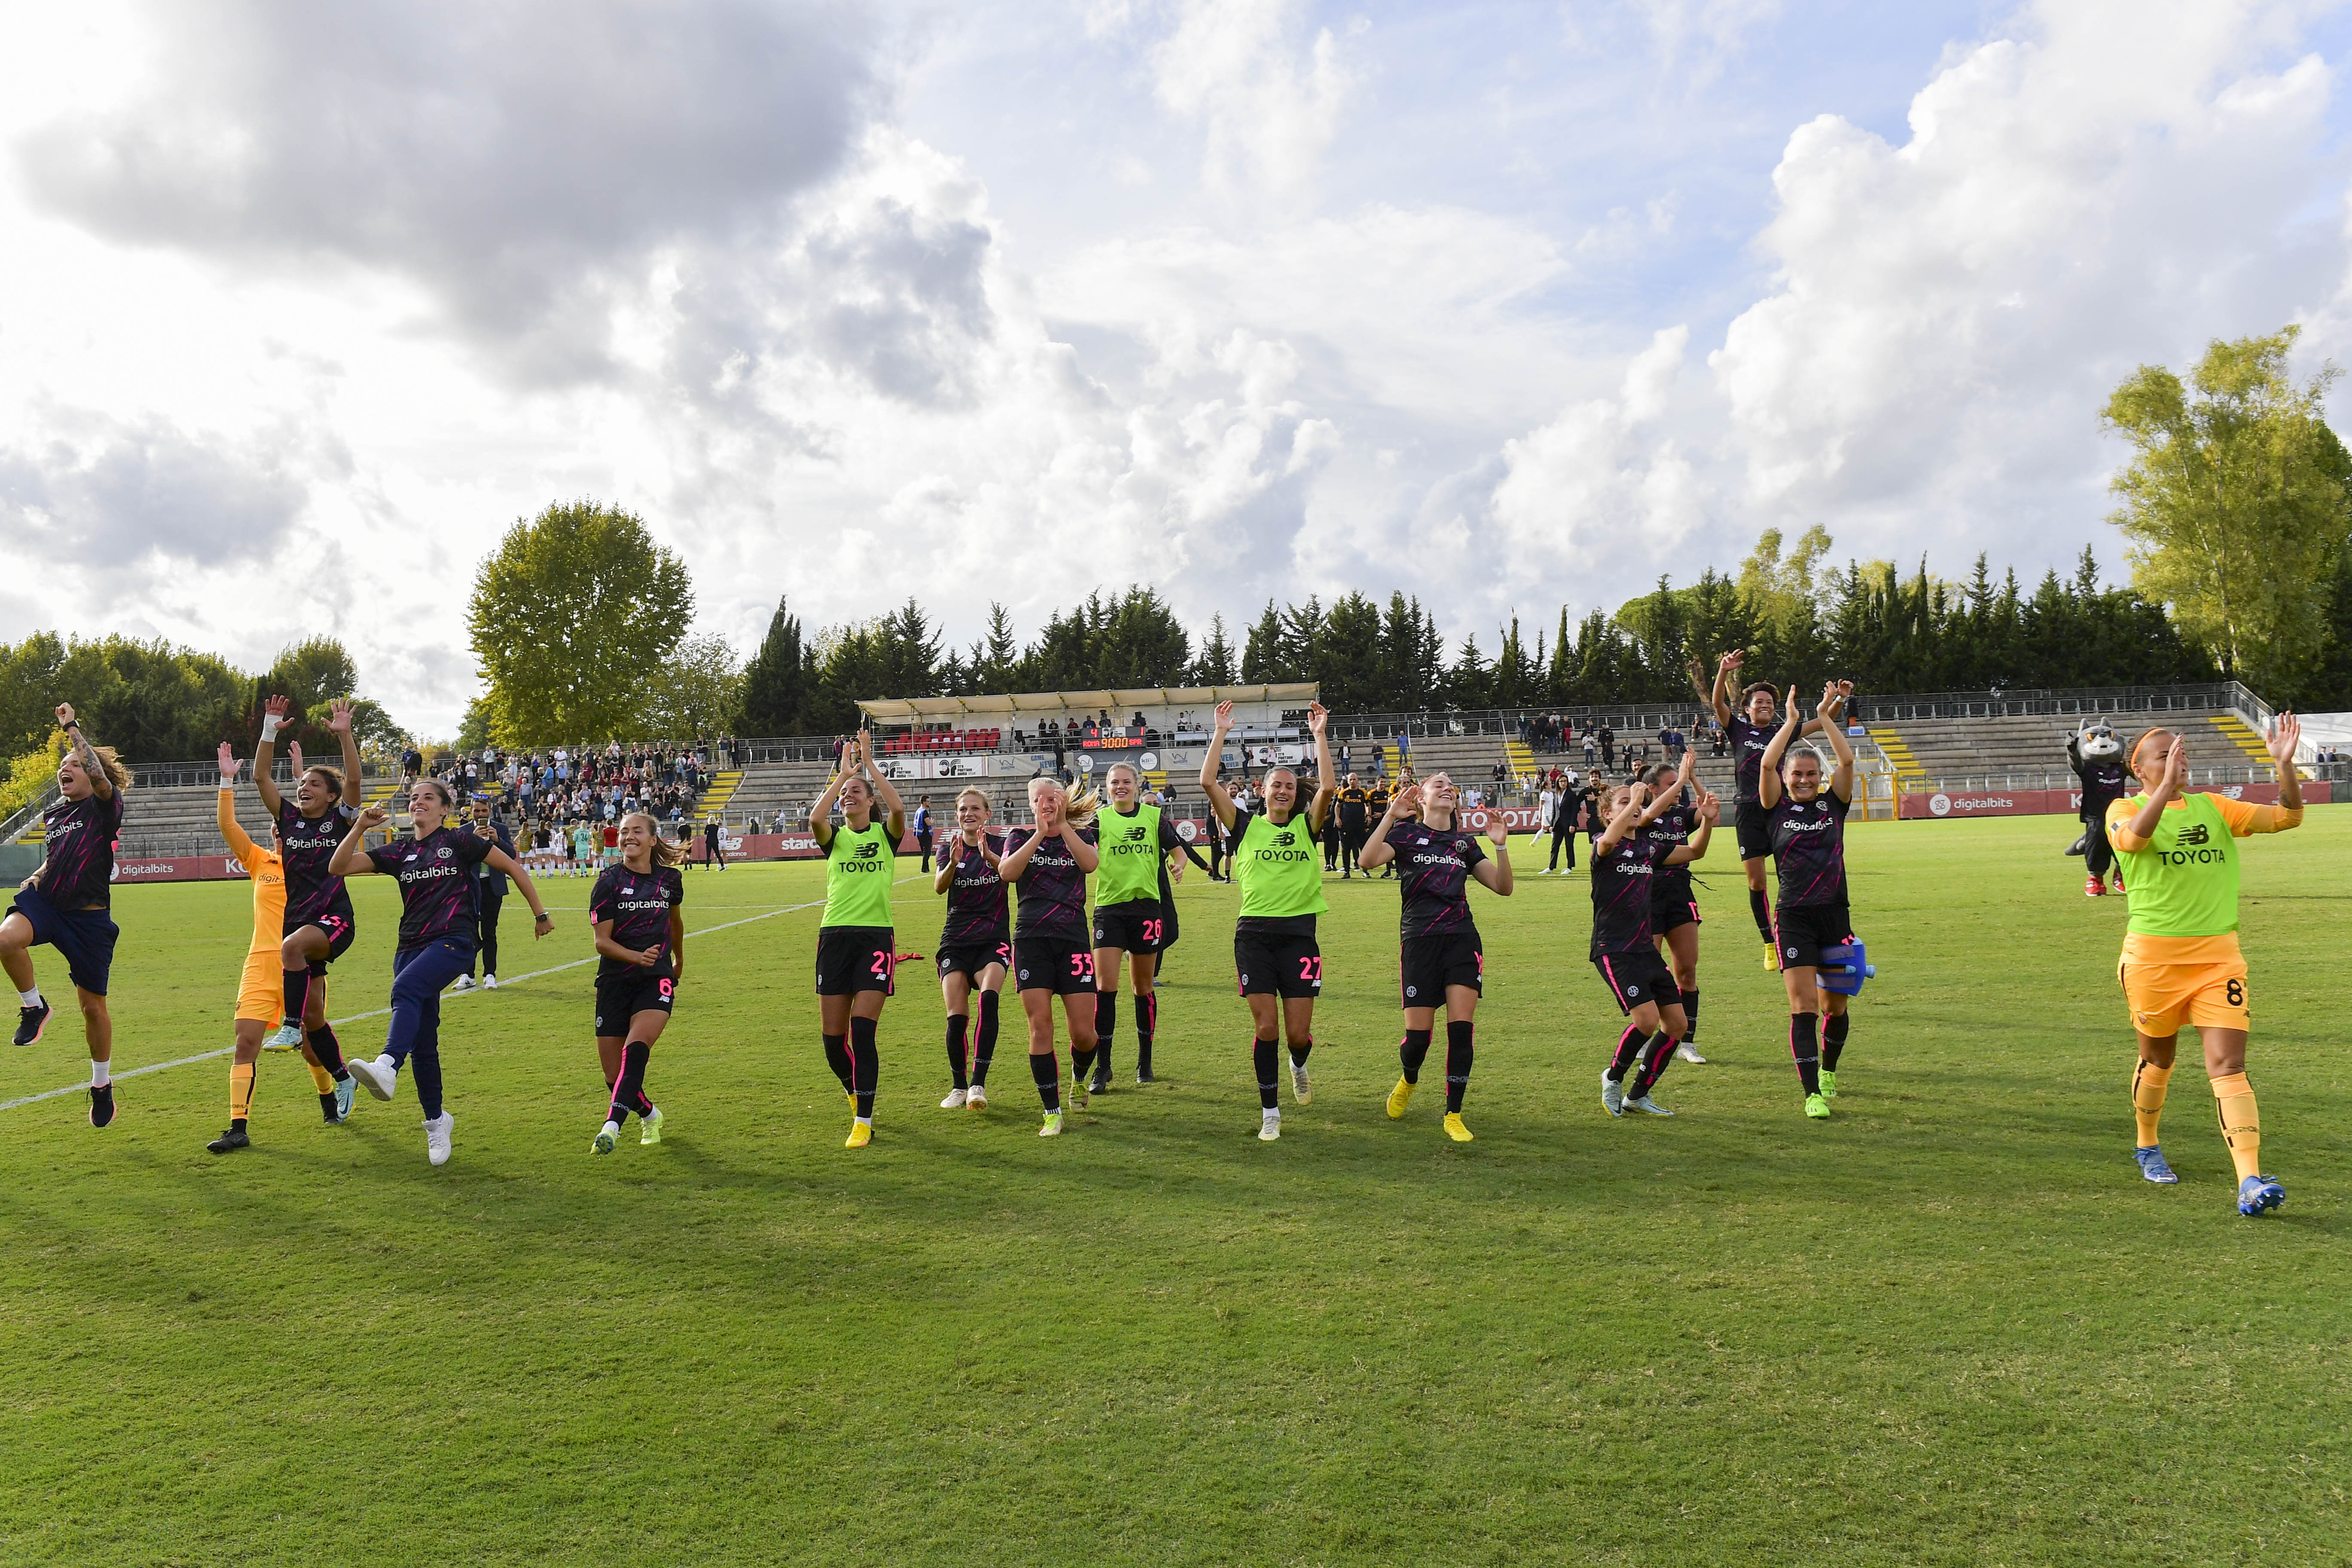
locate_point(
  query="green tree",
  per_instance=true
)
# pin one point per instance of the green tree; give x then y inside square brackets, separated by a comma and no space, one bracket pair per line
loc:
[1264,657]
[1214,667]
[698,692]
[777,683]
[572,614]
[2236,505]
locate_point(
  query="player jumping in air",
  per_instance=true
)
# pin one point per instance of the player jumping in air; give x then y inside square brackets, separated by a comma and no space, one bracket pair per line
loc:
[320,926]
[1441,959]
[1049,865]
[1139,848]
[260,993]
[1749,730]
[641,937]
[2180,961]
[975,945]
[1277,958]
[1806,824]
[856,943]
[435,868]
[65,904]
[1627,863]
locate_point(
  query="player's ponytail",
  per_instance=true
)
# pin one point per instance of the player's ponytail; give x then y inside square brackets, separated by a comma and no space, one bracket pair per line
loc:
[665,851]
[1079,809]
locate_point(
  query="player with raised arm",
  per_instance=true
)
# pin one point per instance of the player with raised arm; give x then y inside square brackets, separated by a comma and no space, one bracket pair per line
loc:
[1806,823]
[435,869]
[2180,962]
[633,911]
[1049,865]
[1275,953]
[260,995]
[1670,818]
[1749,730]
[320,924]
[1137,849]
[975,944]
[67,902]
[857,941]
[1627,862]
[1442,958]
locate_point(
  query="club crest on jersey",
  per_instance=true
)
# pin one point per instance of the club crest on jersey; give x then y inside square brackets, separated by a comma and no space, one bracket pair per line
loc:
[442,853]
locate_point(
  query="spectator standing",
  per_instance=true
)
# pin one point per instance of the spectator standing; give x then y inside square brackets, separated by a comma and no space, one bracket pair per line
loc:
[490,892]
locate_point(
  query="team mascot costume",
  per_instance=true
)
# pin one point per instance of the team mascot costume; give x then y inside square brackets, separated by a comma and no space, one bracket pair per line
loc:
[2097,758]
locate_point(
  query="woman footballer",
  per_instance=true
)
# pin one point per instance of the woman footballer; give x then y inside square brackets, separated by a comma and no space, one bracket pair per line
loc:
[1751,731]
[1627,862]
[320,924]
[975,945]
[1049,865]
[1275,954]
[1139,849]
[1670,819]
[1442,958]
[1807,826]
[641,937]
[856,945]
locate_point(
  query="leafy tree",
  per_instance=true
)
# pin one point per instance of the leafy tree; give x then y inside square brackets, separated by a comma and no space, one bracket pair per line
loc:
[698,692]
[777,685]
[2236,505]
[571,617]
[474,729]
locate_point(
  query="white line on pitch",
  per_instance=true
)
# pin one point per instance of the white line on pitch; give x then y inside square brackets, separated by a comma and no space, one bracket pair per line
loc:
[379,1011]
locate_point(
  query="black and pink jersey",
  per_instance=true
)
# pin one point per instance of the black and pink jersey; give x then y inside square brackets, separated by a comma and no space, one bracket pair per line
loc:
[78,849]
[1748,745]
[1053,890]
[1809,850]
[978,912]
[1670,832]
[305,844]
[1433,867]
[638,903]
[437,883]
[1623,880]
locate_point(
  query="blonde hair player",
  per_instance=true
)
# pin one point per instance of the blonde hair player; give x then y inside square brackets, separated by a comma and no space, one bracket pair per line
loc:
[1806,824]
[261,991]
[319,923]
[975,945]
[65,904]
[1275,954]
[1140,852]
[640,935]
[1628,862]
[1049,865]
[856,943]
[2180,962]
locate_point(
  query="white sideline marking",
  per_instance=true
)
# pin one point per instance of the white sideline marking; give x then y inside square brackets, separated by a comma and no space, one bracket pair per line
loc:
[379,1011]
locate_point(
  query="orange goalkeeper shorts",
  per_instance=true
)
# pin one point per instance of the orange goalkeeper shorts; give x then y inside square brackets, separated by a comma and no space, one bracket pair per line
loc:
[2165,996]
[261,992]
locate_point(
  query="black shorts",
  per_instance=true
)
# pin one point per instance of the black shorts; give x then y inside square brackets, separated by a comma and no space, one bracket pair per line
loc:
[1135,926]
[850,959]
[85,937]
[971,958]
[621,998]
[1277,963]
[1426,965]
[1637,977]
[1801,931]
[341,931]
[1053,963]
[1752,825]
[1669,914]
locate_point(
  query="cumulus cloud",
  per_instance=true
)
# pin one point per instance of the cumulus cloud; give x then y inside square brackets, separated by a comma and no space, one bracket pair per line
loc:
[110,499]
[1269,111]
[502,154]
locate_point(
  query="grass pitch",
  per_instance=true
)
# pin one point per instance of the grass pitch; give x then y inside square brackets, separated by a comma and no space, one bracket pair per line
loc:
[1950,1326]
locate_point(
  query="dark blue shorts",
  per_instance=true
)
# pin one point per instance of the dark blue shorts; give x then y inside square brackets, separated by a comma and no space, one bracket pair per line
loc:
[86,937]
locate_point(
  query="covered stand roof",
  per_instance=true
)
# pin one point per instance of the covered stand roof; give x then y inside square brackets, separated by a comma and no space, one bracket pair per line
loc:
[1014,706]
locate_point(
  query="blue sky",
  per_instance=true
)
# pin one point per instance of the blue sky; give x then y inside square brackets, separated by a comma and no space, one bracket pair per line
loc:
[1514,306]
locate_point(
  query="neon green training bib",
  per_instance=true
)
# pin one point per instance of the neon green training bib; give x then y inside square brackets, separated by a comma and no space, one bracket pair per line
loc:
[858,864]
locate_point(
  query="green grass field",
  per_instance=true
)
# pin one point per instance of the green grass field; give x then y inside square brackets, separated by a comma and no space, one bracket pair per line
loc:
[1950,1326]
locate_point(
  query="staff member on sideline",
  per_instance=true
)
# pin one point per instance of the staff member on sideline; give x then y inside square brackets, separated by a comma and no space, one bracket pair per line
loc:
[490,895]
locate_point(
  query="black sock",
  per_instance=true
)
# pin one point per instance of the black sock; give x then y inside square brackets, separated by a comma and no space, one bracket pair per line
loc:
[1690,1014]
[958,1025]
[1298,1050]
[629,1090]
[1106,1026]
[1082,1065]
[1834,1029]
[237,1123]
[1267,1059]
[329,1052]
[865,1064]
[1412,1052]
[1763,914]
[983,1050]
[1629,1046]
[1146,1024]
[1654,1064]
[1457,1062]
[298,994]
[1808,1054]
[1049,1074]
[836,1057]
[327,1106]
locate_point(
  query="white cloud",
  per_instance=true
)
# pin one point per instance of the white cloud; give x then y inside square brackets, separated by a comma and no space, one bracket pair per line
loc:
[1269,111]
